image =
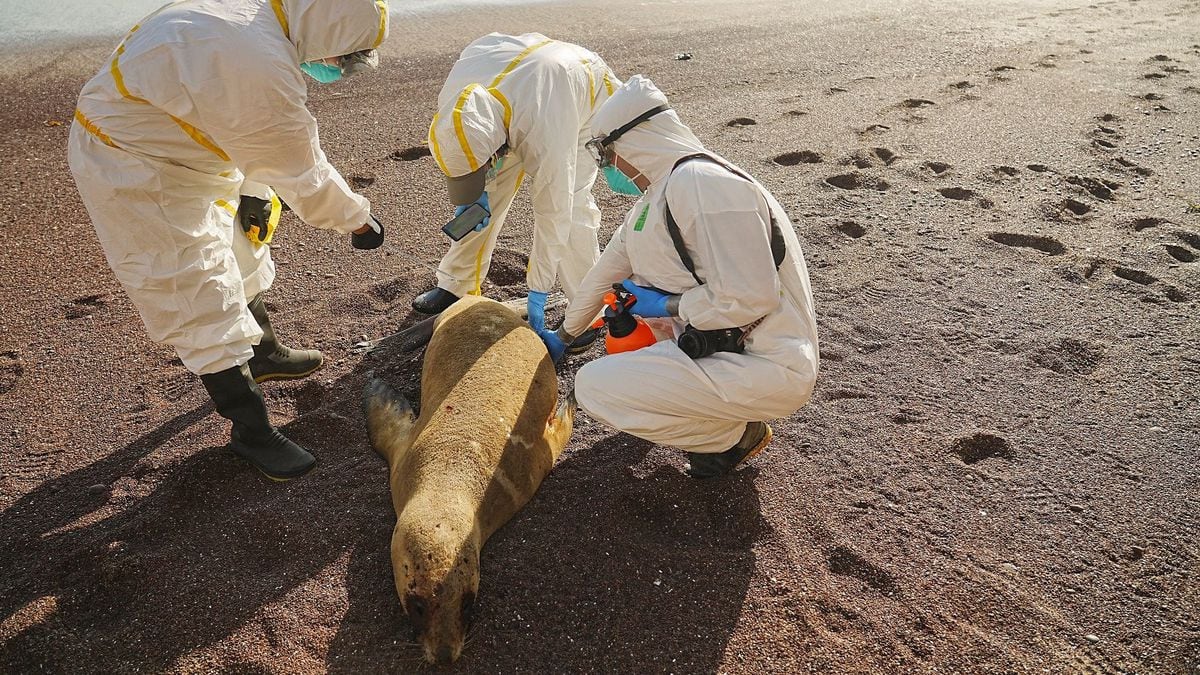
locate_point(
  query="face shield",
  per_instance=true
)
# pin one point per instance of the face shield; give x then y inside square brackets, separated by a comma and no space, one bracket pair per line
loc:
[601,149]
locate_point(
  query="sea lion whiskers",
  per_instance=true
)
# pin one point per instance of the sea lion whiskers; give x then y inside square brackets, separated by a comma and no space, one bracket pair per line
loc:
[436,566]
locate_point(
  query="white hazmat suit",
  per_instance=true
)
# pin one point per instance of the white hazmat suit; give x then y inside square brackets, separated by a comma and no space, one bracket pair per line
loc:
[200,99]
[538,95]
[658,393]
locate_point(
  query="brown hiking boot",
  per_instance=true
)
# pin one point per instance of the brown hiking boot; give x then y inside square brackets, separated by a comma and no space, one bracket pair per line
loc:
[713,464]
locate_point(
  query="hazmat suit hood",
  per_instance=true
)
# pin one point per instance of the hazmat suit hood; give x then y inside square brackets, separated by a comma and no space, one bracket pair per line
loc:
[467,130]
[654,146]
[326,28]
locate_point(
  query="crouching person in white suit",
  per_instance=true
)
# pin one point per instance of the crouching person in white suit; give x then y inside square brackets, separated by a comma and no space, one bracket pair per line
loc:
[714,263]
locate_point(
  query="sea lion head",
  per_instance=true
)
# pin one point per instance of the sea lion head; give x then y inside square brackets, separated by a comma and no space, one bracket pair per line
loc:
[436,569]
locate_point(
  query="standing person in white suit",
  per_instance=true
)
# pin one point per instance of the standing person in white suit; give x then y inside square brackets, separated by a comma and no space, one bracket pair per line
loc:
[727,293]
[204,101]
[516,107]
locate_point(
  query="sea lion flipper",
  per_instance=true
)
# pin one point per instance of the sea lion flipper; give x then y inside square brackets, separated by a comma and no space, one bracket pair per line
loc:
[390,417]
[558,428]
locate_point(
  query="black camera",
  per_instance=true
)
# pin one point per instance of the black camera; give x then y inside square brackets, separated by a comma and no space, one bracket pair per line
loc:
[700,343]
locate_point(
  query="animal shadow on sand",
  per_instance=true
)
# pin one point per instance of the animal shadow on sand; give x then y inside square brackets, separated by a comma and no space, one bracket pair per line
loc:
[601,570]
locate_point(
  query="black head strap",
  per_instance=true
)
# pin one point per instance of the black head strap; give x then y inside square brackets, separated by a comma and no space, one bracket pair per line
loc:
[778,244]
[620,131]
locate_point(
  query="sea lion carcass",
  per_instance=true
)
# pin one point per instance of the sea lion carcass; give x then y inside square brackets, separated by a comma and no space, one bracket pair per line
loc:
[489,431]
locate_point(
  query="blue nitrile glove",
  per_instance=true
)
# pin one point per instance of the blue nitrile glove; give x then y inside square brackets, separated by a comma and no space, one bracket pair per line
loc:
[537,310]
[482,201]
[650,303]
[554,344]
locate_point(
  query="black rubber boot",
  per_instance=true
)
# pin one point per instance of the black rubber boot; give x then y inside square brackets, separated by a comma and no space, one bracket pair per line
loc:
[584,342]
[239,400]
[434,301]
[275,361]
[711,465]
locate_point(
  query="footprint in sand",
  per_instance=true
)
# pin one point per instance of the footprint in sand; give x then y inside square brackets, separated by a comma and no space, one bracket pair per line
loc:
[1146,222]
[851,229]
[410,154]
[865,159]
[1047,245]
[957,193]
[1000,73]
[741,122]
[846,562]
[964,84]
[360,182]
[981,446]
[874,129]
[857,181]
[936,168]
[1154,76]
[1069,356]
[1001,173]
[86,305]
[11,370]
[388,291]
[308,397]
[1144,278]
[1073,275]
[1067,209]
[798,157]
[1180,253]
[1097,187]
[1190,238]
[847,395]
[1135,275]
[914,103]
[1038,168]
[1123,164]
[884,155]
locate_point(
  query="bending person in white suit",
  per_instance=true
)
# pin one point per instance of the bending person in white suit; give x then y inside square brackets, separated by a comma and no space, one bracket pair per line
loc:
[202,102]
[516,107]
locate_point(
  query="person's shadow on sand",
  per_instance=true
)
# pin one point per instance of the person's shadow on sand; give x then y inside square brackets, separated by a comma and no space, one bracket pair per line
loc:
[178,569]
[602,570]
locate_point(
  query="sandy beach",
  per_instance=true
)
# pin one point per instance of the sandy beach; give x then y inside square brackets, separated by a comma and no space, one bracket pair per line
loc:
[999,204]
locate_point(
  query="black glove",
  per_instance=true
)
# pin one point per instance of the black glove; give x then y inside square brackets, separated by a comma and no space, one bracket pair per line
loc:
[253,214]
[370,239]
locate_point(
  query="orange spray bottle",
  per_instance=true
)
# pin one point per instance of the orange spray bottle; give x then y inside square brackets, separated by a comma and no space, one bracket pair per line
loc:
[626,332]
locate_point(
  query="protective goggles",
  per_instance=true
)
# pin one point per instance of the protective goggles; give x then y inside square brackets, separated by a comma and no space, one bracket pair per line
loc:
[601,148]
[360,61]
